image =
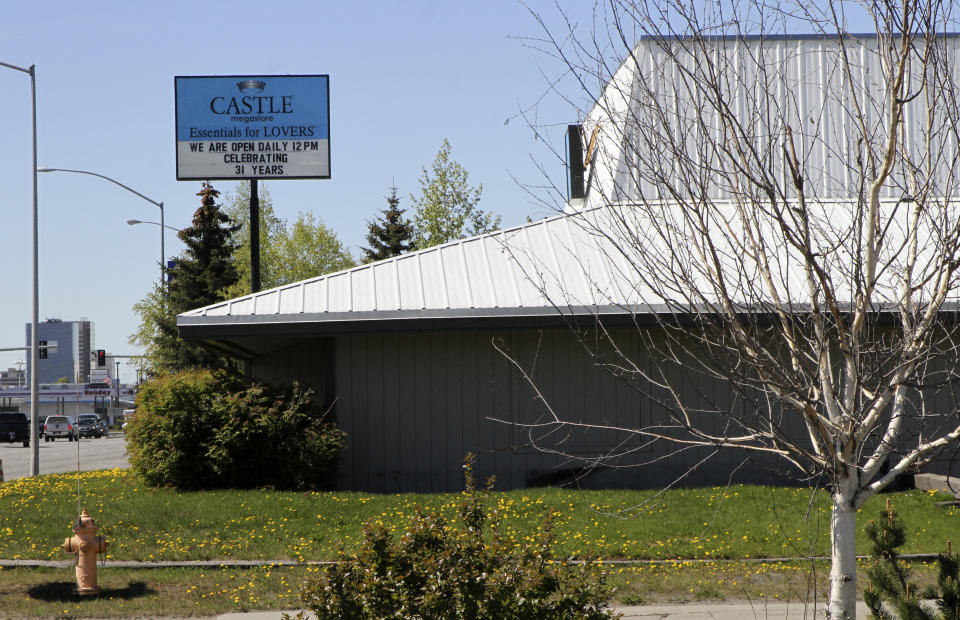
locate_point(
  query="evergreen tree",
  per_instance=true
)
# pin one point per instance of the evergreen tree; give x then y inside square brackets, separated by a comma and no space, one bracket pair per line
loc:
[447,207]
[156,322]
[891,594]
[390,235]
[204,269]
[207,265]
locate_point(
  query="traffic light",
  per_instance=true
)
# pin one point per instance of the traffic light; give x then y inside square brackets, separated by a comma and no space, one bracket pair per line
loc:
[101,358]
[43,349]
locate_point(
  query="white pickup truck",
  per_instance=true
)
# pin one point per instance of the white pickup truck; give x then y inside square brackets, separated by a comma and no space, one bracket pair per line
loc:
[60,426]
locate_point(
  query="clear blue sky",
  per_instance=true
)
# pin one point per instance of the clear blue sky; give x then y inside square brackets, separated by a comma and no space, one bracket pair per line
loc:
[403,76]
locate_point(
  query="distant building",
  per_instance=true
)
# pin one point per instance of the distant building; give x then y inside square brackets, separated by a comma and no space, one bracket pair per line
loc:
[70,361]
[12,378]
[104,374]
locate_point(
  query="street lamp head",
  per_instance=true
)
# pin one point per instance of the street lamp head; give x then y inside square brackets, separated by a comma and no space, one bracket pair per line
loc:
[37,169]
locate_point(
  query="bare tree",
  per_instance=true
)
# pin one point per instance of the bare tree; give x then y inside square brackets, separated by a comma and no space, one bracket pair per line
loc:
[782,207]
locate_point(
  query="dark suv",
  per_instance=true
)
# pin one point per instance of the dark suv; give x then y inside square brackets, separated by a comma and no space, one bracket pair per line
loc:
[14,427]
[89,425]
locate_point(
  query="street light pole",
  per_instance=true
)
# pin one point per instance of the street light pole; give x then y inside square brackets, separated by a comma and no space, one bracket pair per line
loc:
[162,226]
[167,226]
[35,319]
[163,253]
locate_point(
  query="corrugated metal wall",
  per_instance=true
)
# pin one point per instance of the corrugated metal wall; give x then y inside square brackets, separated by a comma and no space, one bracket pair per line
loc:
[830,96]
[311,363]
[413,404]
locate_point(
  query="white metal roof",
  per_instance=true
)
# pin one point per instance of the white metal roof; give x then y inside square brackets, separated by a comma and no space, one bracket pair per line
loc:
[513,268]
[598,260]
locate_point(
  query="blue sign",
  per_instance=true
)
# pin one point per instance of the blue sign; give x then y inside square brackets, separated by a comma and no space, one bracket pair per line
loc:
[253,127]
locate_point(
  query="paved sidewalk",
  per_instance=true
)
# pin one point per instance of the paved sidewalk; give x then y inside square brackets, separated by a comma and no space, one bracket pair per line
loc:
[687,611]
[729,611]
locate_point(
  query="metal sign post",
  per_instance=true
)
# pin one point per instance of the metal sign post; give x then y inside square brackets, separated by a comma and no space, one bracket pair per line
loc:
[254,238]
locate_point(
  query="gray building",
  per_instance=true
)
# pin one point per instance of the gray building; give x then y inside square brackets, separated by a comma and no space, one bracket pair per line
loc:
[479,344]
[412,354]
[12,378]
[70,361]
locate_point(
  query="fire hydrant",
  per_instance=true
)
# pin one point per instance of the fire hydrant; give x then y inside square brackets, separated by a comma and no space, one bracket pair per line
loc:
[86,545]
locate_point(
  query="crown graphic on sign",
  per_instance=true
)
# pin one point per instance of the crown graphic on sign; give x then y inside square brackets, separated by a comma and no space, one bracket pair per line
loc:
[251,86]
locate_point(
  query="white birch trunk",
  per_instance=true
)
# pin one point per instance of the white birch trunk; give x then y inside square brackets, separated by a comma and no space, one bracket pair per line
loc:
[843,550]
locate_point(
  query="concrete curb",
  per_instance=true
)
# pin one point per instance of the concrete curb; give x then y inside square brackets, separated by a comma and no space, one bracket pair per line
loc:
[937,482]
[758,610]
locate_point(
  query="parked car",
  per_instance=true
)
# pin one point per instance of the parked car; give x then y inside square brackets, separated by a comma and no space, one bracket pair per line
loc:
[60,426]
[89,425]
[43,423]
[14,427]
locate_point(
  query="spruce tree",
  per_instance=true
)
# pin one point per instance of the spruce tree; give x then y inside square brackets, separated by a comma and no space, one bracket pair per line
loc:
[391,234]
[891,594]
[203,270]
[890,588]
[207,265]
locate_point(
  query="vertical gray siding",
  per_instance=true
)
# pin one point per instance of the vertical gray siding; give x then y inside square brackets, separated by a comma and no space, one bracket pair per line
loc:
[309,363]
[413,404]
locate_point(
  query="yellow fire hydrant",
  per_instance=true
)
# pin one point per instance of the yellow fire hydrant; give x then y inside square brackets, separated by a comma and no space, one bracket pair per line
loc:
[86,545]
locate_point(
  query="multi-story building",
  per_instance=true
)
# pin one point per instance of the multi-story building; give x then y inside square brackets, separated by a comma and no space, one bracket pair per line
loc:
[69,360]
[12,378]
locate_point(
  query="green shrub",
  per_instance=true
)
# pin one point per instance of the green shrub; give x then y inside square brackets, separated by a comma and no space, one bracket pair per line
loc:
[437,571]
[207,429]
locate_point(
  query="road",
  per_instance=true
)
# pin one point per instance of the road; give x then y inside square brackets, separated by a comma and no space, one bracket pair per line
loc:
[61,456]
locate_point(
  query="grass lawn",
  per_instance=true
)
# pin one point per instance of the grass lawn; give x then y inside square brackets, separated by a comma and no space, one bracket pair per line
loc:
[47,592]
[734,523]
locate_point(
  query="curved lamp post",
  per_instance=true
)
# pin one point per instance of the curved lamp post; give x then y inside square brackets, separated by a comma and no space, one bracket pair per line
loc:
[162,226]
[35,319]
[167,226]
[132,191]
